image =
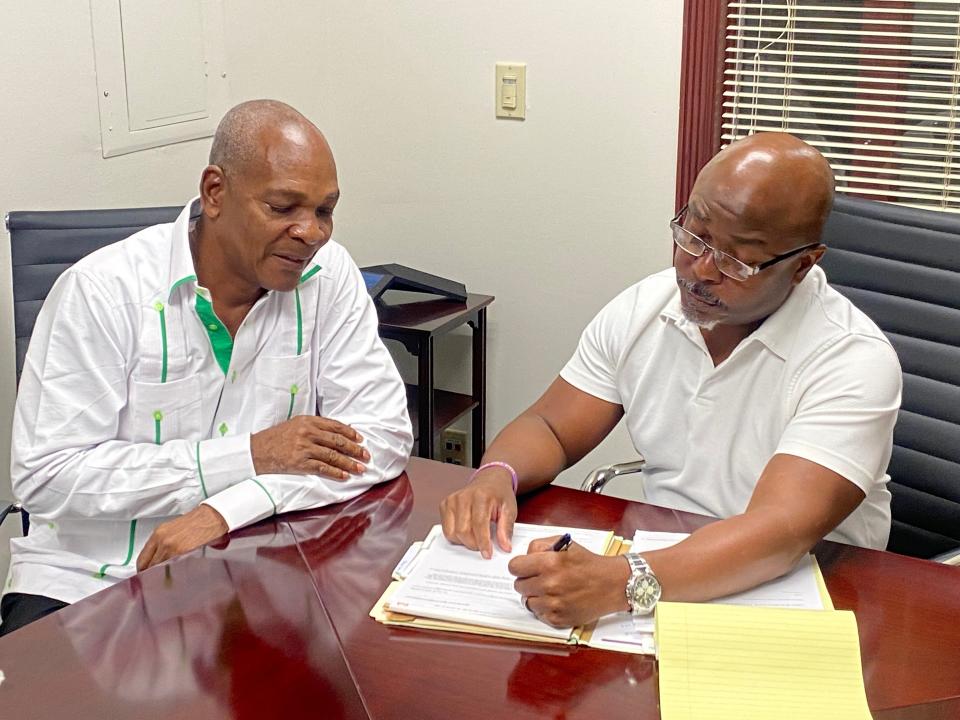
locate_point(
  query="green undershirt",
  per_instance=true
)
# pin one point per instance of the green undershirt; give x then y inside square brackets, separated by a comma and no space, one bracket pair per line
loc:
[220,339]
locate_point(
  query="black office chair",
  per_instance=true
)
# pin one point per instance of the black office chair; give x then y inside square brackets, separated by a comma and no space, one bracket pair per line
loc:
[44,244]
[901,266]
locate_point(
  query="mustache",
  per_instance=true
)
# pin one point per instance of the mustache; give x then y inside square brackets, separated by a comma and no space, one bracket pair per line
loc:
[700,291]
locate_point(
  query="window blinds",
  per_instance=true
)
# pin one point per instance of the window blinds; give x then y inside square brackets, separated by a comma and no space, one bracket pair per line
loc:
[873,84]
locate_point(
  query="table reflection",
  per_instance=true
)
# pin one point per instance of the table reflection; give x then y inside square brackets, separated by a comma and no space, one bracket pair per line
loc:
[239,628]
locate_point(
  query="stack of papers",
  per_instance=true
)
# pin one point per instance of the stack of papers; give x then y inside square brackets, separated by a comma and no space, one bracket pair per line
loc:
[441,586]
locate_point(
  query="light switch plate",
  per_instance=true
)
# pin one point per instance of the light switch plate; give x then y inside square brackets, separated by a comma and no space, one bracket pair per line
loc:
[511,90]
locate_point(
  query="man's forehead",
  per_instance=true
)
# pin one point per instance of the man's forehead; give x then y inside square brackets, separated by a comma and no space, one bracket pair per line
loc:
[726,205]
[293,146]
[288,158]
[742,221]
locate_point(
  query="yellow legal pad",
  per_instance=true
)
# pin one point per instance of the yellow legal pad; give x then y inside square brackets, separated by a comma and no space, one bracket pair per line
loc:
[729,661]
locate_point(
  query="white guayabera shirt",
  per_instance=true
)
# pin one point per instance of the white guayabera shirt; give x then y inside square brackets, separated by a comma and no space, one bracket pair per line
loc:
[135,405]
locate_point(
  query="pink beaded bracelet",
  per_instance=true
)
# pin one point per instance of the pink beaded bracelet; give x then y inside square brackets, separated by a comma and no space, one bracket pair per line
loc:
[497,463]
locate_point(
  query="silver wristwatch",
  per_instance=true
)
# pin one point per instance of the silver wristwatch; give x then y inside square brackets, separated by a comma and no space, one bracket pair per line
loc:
[643,588]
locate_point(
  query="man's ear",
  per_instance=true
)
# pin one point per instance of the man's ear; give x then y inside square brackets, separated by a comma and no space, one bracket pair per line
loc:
[808,260]
[212,187]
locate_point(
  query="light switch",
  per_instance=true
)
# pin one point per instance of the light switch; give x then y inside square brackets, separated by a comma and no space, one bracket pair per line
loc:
[511,90]
[509,95]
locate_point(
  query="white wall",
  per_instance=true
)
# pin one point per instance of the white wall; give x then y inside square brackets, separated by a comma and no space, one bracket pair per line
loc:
[552,215]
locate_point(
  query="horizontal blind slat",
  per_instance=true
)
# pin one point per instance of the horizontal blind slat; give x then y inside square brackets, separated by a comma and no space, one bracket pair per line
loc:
[788,105]
[930,134]
[827,88]
[880,22]
[814,100]
[843,8]
[947,85]
[820,42]
[840,66]
[826,31]
[752,52]
[939,187]
[819,144]
[895,169]
[907,164]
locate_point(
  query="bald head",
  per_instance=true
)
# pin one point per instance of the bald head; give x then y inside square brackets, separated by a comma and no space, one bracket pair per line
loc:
[243,133]
[267,200]
[771,180]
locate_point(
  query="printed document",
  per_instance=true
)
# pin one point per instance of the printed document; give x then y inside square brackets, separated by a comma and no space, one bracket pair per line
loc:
[449,582]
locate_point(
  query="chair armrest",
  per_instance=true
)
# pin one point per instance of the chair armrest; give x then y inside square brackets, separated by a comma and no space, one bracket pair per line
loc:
[595,481]
[7,508]
[951,557]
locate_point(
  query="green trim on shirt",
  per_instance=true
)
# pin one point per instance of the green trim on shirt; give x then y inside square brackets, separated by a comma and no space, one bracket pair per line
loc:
[158,306]
[268,494]
[103,568]
[220,339]
[203,485]
[296,292]
[309,273]
[180,282]
[293,396]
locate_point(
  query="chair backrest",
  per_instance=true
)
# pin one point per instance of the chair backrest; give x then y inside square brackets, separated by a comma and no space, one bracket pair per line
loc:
[901,266]
[45,243]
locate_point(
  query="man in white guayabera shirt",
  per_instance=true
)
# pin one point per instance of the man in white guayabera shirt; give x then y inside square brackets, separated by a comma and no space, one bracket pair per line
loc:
[201,375]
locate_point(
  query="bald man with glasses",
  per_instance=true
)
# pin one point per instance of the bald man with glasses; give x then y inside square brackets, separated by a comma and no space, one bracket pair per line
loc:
[756,393]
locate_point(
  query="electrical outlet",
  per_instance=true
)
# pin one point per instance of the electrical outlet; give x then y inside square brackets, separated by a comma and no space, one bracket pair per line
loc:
[453,447]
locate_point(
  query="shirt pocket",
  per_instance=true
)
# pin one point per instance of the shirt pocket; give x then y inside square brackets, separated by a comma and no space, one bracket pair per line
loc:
[283,389]
[165,411]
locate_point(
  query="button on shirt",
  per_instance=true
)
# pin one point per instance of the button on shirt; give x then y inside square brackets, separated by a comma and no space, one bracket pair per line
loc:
[817,380]
[135,404]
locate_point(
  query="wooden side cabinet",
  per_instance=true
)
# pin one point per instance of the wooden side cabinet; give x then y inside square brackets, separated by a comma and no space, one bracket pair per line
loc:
[416,325]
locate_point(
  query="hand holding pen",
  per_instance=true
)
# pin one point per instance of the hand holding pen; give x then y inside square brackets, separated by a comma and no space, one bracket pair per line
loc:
[563,584]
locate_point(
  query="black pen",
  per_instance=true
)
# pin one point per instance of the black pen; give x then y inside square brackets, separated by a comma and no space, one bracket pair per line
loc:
[563,543]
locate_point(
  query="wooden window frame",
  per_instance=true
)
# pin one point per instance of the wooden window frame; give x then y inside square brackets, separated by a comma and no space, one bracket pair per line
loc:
[701,90]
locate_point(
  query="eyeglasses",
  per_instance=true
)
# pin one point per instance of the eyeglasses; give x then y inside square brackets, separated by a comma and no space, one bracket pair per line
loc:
[727,264]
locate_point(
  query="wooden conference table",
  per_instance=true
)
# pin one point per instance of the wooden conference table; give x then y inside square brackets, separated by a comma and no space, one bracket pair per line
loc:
[273,623]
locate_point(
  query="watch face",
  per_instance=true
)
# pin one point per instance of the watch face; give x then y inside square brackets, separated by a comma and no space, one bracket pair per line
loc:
[646,592]
[643,588]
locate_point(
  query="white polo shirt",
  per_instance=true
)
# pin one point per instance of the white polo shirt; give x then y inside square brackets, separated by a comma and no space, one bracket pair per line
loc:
[135,404]
[817,380]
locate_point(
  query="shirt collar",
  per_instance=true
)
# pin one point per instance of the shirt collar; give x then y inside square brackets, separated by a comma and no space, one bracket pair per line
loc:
[778,332]
[181,259]
[182,271]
